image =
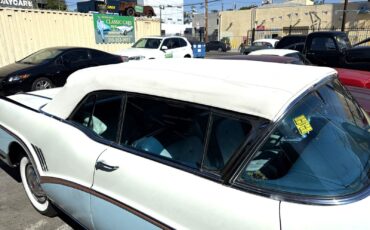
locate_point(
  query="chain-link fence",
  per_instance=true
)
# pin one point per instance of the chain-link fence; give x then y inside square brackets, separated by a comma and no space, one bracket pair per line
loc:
[355,35]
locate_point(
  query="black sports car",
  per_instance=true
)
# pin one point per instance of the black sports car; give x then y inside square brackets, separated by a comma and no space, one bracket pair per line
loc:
[50,67]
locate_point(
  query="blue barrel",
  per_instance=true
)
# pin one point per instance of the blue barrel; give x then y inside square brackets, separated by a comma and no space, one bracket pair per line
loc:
[199,49]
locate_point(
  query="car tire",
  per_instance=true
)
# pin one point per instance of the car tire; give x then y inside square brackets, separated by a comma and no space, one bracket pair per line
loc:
[130,12]
[219,49]
[42,83]
[32,187]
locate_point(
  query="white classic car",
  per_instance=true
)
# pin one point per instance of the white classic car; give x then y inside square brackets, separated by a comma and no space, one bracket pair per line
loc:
[166,144]
[158,47]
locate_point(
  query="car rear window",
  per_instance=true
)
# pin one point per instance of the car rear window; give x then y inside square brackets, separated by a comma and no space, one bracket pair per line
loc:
[320,148]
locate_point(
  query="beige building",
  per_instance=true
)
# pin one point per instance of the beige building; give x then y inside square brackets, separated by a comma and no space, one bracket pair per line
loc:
[236,24]
[24,31]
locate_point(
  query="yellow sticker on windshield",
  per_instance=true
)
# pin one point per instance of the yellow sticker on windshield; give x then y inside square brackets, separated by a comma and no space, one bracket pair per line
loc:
[302,124]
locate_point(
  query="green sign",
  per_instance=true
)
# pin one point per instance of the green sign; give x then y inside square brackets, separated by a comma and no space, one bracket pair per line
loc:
[139,9]
[114,29]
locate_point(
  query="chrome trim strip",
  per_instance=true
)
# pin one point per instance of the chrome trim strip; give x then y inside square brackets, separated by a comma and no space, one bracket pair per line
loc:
[40,155]
[54,180]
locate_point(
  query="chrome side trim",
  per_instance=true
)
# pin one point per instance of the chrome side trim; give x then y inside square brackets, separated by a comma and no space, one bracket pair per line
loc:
[41,157]
[54,180]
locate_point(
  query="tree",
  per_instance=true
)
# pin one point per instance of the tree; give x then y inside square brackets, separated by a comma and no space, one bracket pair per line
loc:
[56,5]
[249,7]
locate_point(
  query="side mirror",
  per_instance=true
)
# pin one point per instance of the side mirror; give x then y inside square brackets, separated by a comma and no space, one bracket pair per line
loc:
[164,48]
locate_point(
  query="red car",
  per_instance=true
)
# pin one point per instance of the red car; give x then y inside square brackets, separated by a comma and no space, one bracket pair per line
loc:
[356,78]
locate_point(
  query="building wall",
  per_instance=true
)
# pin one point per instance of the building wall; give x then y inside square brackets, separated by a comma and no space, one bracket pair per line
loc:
[199,22]
[235,24]
[24,31]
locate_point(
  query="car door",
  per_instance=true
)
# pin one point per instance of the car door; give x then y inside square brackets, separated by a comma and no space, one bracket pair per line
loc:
[323,51]
[72,61]
[156,176]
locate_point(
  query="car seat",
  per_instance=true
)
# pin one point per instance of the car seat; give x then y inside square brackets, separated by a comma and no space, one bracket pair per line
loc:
[151,145]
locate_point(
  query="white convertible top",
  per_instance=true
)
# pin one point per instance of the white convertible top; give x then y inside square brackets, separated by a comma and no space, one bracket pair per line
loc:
[257,88]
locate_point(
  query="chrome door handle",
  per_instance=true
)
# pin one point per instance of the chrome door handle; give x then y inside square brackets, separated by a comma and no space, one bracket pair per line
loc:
[105,167]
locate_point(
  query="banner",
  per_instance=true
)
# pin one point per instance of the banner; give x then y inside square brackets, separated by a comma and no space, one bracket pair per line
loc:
[16,3]
[114,29]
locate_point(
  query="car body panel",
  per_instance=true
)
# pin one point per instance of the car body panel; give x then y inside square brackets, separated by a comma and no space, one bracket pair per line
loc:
[362,96]
[170,196]
[5,140]
[118,217]
[343,217]
[67,198]
[356,78]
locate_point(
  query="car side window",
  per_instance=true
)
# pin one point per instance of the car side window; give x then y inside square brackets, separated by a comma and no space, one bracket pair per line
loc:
[98,54]
[227,136]
[76,56]
[167,129]
[100,113]
[182,42]
[171,43]
[322,44]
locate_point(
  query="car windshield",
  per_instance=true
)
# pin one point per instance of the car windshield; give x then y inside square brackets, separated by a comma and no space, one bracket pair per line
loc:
[343,42]
[41,56]
[320,148]
[148,43]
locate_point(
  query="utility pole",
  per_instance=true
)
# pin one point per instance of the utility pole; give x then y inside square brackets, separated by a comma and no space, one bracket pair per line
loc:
[206,21]
[161,7]
[344,15]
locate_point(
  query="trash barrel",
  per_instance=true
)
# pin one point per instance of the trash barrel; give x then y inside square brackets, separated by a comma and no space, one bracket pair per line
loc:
[199,50]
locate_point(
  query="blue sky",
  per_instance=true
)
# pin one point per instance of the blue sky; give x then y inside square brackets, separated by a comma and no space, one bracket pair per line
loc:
[229,4]
[213,4]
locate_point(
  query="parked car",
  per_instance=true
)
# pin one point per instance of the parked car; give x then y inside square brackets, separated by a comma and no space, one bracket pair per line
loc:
[132,8]
[260,44]
[356,78]
[282,53]
[263,58]
[166,144]
[333,49]
[217,45]
[348,77]
[48,68]
[362,96]
[158,47]
[293,42]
